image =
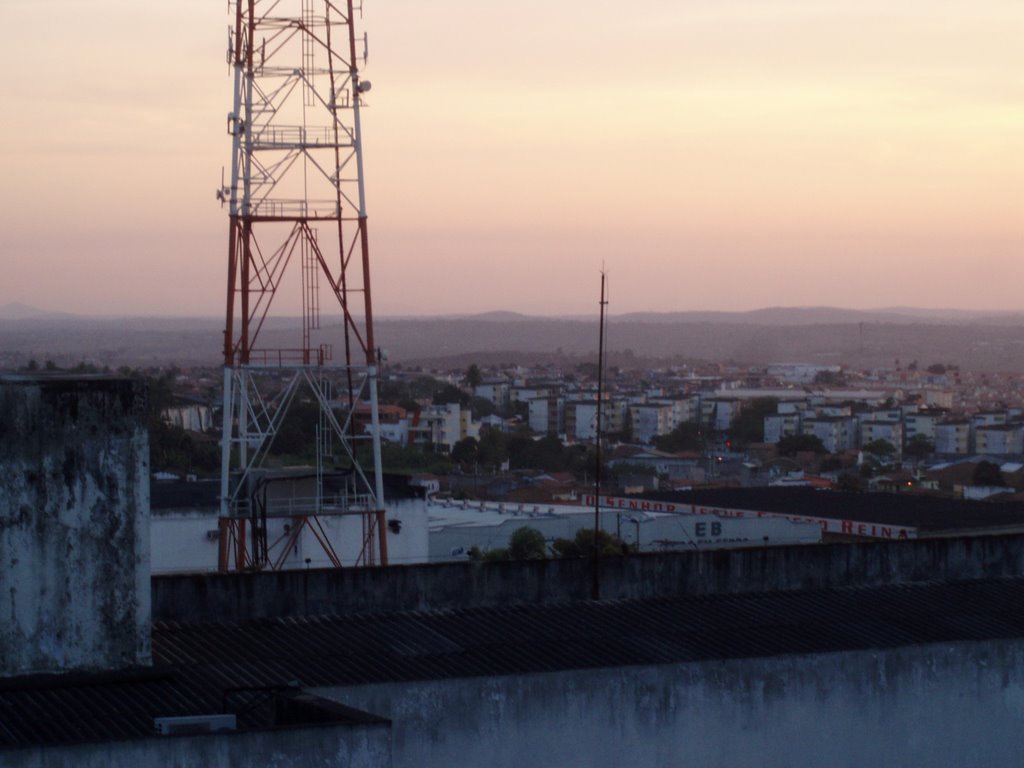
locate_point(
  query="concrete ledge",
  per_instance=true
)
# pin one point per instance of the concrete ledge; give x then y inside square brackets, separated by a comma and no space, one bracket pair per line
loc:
[240,597]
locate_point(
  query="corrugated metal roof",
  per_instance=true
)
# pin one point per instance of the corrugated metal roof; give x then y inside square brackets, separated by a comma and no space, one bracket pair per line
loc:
[337,650]
[195,664]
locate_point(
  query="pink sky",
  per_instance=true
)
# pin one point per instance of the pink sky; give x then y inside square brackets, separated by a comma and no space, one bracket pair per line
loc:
[714,154]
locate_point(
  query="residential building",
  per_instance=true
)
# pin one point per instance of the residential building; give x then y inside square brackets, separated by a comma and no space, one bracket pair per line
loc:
[889,431]
[953,437]
[650,420]
[495,391]
[938,398]
[837,433]
[921,424]
[581,418]
[999,439]
[547,415]
[720,412]
[439,427]
[780,425]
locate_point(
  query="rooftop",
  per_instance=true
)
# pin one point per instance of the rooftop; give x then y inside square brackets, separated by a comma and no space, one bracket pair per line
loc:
[926,513]
[210,667]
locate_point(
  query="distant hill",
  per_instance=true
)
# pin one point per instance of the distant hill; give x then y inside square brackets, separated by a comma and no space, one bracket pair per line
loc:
[828,315]
[977,341]
[18,311]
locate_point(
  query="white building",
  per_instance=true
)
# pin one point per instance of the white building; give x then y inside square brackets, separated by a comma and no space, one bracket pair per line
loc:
[837,433]
[720,412]
[953,437]
[999,439]
[780,425]
[495,391]
[921,424]
[650,420]
[889,431]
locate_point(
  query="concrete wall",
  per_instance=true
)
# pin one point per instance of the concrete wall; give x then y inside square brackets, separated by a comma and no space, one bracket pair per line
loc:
[213,597]
[74,524]
[957,705]
[363,746]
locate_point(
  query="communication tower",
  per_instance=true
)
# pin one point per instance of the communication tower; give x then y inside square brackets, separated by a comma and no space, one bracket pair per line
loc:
[297,226]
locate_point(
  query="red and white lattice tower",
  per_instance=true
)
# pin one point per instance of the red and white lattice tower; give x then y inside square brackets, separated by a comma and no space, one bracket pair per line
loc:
[297,210]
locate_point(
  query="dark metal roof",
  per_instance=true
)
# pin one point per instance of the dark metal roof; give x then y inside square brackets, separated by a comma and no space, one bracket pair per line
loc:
[926,513]
[535,638]
[196,664]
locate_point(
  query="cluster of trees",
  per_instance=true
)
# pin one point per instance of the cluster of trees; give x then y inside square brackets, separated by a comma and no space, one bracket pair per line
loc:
[523,452]
[749,425]
[408,393]
[171,448]
[688,436]
[529,544]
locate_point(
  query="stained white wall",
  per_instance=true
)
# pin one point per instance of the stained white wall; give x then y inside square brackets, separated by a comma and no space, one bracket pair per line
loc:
[74,525]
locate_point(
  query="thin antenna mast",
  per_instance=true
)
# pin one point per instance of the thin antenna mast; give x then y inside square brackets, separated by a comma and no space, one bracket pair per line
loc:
[595,589]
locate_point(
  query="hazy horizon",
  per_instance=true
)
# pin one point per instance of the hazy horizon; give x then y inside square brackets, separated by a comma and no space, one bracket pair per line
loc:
[714,156]
[21,311]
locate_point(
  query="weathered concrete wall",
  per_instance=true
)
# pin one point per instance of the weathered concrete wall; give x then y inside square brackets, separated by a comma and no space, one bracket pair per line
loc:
[74,524]
[214,597]
[952,705]
[364,746]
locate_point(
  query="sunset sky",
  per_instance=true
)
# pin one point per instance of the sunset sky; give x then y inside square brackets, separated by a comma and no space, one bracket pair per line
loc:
[713,154]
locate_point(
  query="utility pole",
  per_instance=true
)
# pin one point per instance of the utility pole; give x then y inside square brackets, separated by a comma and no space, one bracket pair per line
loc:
[595,587]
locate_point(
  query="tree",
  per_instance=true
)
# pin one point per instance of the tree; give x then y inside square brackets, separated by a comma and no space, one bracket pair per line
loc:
[298,424]
[495,555]
[849,483]
[473,377]
[624,469]
[830,378]
[582,544]
[987,473]
[481,406]
[791,445]
[881,448]
[830,464]
[466,451]
[450,394]
[937,368]
[685,437]
[870,467]
[749,425]
[919,446]
[527,544]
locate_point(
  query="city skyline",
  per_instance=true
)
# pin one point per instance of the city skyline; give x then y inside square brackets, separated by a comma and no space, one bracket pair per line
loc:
[712,156]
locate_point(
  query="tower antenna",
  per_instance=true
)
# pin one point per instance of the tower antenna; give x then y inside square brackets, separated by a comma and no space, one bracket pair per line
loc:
[298,225]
